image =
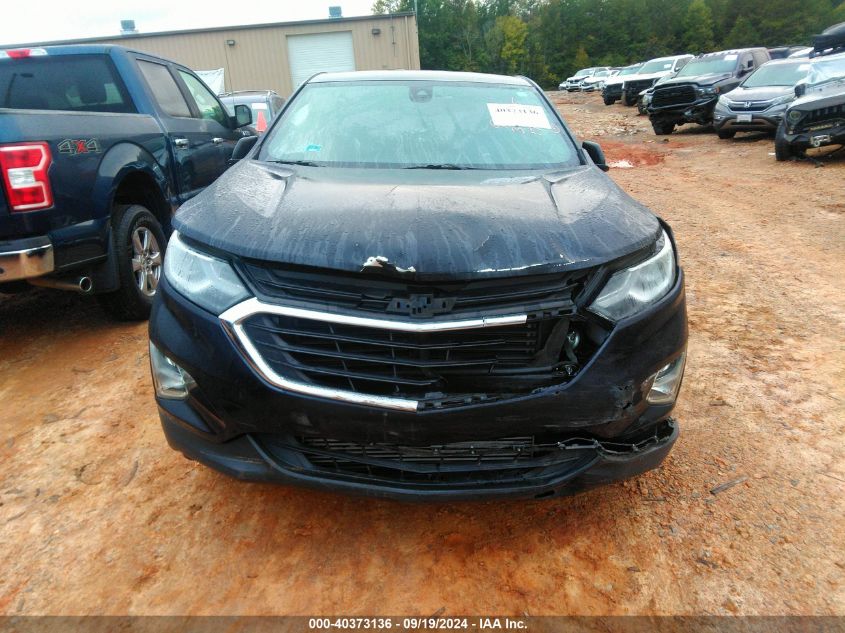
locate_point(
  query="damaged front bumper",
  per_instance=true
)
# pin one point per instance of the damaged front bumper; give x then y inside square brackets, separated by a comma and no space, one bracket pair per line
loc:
[819,137]
[595,428]
[700,111]
[569,467]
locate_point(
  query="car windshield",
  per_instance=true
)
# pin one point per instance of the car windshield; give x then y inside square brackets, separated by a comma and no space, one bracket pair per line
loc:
[709,66]
[584,73]
[602,73]
[656,66]
[632,70]
[777,75]
[421,124]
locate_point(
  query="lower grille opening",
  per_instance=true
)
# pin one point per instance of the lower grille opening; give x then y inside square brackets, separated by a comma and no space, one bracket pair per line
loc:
[513,461]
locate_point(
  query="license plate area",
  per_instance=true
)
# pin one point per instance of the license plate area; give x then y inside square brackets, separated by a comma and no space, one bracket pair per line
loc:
[744,118]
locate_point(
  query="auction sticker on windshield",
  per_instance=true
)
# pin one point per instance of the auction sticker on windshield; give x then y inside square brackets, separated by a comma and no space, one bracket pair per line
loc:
[518,115]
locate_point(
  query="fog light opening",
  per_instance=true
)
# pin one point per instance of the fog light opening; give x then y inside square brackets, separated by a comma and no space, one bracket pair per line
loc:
[170,380]
[666,382]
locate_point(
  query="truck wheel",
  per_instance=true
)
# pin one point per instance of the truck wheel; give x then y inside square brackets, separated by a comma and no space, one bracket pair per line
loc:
[783,150]
[628,100]
[609,100]
[139,245]
[662,128]
[726,134]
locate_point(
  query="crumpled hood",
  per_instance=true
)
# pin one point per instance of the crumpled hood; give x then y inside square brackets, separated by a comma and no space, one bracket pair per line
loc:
[761,93]
[444,224]
[822,96]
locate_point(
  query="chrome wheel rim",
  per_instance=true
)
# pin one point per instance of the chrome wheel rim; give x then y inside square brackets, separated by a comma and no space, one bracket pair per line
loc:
[146,260]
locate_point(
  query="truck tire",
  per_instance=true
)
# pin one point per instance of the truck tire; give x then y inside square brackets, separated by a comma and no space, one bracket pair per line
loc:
[726,134]
[662,128]
[783,150]
[139,245]
[628,101]
[609,100]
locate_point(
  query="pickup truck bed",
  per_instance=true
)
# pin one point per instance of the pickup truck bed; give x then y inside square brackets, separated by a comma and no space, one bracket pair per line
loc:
[91,136]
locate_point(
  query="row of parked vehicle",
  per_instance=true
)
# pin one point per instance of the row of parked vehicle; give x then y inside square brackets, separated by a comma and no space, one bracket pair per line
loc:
[795,93]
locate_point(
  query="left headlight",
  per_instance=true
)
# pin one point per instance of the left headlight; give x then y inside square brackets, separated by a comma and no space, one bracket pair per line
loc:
[208,281]
[633,289]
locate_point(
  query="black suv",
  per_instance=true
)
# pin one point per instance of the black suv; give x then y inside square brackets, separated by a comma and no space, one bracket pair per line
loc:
[437,295]
[690,97]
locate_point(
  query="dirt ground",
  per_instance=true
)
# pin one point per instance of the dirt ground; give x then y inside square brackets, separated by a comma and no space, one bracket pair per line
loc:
[98,515]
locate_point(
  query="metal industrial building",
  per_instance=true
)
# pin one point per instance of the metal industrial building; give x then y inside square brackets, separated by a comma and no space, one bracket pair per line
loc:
[280,56]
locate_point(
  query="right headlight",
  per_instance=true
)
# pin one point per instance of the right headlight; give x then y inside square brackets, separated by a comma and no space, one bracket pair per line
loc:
[633,289]
[208,281]
[782,99]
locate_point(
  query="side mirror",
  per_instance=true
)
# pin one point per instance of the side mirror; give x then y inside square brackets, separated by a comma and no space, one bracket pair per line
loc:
[242,148]
[243,115]
[800,90]
[595,153]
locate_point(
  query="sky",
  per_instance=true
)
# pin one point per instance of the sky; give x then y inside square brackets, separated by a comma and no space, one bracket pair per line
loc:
[46,20]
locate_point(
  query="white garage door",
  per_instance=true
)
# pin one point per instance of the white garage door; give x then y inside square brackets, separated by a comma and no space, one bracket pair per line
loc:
[319,52]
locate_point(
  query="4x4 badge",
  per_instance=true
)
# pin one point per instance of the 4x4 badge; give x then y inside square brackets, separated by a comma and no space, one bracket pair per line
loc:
[74,147]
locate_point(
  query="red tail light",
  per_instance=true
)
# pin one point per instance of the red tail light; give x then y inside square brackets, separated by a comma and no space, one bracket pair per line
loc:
[24,169]
[22,53]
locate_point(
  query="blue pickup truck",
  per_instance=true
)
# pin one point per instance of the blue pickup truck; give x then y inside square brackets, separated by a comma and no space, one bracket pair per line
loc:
[98,147]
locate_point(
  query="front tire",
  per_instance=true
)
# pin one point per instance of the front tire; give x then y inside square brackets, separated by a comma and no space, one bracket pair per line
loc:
[628,100]
[608,101]
[783,150]
[726,134]
[661,128]
[139,245]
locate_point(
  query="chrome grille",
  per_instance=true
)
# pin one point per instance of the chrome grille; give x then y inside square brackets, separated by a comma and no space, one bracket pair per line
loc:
[411,365]
[749,106]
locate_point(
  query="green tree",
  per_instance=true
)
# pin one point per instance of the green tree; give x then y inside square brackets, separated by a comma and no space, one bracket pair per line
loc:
[513,53]
[582,60]
[380,7]
[506,45]
[698,27]
[742,35]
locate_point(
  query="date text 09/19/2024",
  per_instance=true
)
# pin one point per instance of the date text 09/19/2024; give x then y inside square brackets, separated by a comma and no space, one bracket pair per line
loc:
[416,623]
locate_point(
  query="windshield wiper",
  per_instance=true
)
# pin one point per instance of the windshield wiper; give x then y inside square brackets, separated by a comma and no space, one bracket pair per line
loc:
[304,163]
[438,166]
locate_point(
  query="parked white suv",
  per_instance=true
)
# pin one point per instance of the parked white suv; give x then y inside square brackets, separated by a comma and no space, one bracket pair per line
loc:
[650,72]
[597,81]
[573,83]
